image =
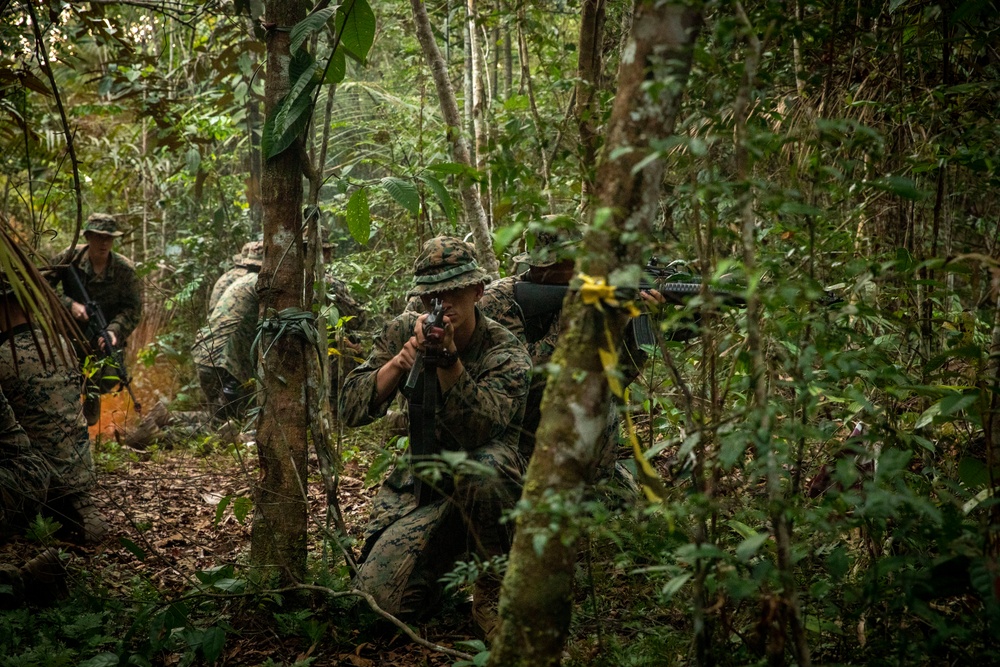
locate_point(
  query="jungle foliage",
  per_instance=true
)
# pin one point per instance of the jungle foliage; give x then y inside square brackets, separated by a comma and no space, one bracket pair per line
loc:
[848,151]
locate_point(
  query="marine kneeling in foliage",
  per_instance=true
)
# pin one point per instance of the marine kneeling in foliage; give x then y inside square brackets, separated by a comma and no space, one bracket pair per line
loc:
[43,387]
[418,527]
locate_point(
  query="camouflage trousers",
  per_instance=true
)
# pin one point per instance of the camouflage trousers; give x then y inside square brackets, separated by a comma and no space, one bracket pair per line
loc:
[24,483]
[409,548]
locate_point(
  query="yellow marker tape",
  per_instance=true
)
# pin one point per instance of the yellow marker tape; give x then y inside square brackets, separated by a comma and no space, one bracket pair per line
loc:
[652,485]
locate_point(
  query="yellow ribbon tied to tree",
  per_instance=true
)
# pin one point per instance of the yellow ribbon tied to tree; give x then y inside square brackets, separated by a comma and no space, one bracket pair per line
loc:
[597,293]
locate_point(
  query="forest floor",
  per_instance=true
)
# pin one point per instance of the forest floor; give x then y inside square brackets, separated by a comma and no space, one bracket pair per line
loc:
[164,529]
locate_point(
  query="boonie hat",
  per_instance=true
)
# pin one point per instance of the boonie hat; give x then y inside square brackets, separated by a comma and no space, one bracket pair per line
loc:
[102,223]
[446,263]
[549,241]
[253,254]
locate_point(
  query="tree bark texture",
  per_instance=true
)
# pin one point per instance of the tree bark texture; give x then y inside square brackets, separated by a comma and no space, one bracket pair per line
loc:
[278,538]
[589,65]
[459,148]
[536,602]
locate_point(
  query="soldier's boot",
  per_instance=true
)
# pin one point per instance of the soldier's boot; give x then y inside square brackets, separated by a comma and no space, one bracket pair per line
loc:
[41,579]
[92,408]
[87,524]
[485,606]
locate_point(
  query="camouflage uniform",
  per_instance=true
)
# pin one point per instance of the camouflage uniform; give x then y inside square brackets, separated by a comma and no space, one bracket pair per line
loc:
[116,291]
[222,348]
[249,260]
[24,474]
[44,394]
[409,547]
[550,247]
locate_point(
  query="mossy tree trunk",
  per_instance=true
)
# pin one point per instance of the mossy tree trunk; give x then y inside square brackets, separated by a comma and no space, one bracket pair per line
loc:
[278,539]
[537,596]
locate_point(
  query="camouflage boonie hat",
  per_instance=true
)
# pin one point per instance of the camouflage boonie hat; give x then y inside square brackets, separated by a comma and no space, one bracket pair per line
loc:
[446,263]
[102,223]
[253,254]
[549,241]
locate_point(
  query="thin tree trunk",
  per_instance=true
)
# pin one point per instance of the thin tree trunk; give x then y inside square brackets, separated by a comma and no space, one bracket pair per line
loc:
[522,51]
[766,446]
[536,603]
[278,537]
[589,65]
[459,149]
[480,101]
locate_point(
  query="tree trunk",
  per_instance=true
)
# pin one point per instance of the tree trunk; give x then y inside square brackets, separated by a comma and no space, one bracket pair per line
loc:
[278,539]
[536,604]
[480,101]
[589,66]
[473,206]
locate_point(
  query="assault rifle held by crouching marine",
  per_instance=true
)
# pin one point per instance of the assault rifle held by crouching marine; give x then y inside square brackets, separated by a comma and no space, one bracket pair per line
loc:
[540,304]
[95,313]
[423,400]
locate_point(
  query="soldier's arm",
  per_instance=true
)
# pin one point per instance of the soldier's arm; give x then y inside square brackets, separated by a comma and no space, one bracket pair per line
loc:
[365,396]
[130,300]
[481,407]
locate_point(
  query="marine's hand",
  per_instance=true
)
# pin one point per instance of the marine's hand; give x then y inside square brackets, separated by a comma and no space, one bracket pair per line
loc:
[407,356]
[103,345]
[79,311]
[652,297]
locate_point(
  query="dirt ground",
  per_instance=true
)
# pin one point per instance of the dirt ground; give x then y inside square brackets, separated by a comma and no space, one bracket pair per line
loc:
[163,509]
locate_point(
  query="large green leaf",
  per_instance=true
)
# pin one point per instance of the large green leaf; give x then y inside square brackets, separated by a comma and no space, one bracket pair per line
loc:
[337,69]
[441,192]
[359,218]
[310,24]
[356,27]
[404,192]
[289,119]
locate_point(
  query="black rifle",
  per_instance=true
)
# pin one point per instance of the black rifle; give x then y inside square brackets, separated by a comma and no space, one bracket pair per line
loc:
[423,401]
[95,313]
[540,304]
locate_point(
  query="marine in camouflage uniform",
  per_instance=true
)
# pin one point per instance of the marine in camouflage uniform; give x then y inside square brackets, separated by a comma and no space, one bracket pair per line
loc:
[24,474]
[43,390]
[550,261]
[248,261]
[114,288]
[222,351]
[483,386]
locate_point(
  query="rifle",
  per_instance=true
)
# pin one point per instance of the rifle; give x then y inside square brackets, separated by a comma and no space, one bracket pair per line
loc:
[95,313]
[423,403]
[540,303]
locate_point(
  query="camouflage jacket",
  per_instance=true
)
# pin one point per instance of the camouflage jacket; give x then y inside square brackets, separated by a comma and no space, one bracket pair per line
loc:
[45,397]
[226,341]
[24,474]
[484,407]
[498,303]
[223,283]
[116,291]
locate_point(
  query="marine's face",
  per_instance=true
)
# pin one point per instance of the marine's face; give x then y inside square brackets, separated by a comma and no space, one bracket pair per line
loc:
[459,305]
[100,244]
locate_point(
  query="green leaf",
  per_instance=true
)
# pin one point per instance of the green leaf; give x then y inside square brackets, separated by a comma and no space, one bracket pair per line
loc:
[359,218]
[973,473]
[231,585]
[133,548]
[748,548]
[193,161]
[309,25]
[674,585]
[284,124]
[950,404]
[221,508]
[356,27]
[443,197]
[538,542]
[337,70]
[900,186]
[242,507]
[506,235]
[212,643]
[404,192]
